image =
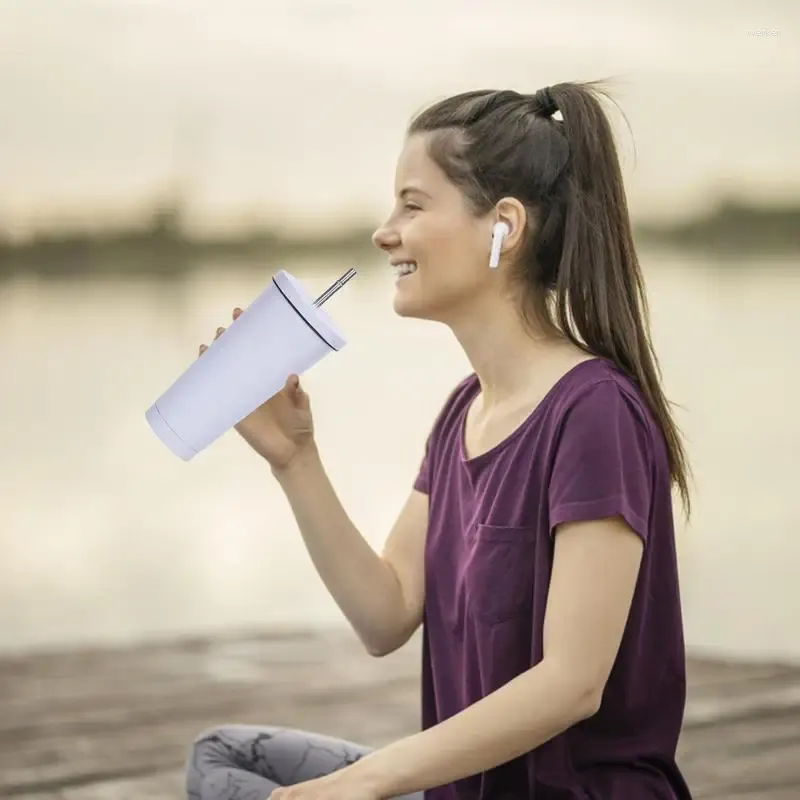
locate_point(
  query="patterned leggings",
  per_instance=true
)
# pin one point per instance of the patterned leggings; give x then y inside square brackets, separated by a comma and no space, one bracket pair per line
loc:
[245,762]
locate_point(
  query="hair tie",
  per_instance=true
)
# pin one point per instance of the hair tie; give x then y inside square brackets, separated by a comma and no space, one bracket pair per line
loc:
[543,104]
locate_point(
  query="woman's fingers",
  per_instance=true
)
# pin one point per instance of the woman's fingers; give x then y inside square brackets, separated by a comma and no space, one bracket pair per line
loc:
[236,314]
[203,347]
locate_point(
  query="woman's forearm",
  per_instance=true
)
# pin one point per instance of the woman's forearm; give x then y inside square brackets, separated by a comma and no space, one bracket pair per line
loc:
[516,718]
[363,585]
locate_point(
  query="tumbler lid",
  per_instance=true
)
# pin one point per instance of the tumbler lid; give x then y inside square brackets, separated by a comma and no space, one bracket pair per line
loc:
[316,316]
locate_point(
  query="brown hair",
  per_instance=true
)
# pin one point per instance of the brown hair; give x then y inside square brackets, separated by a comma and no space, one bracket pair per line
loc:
[579,264]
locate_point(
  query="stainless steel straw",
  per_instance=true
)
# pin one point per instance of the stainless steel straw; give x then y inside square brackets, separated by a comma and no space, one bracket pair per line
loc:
[335,286]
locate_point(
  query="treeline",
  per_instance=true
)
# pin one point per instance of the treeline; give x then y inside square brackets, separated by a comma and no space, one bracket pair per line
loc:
[161,247]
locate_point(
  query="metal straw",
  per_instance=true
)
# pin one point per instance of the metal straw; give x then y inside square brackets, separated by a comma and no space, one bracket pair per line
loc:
[335,286]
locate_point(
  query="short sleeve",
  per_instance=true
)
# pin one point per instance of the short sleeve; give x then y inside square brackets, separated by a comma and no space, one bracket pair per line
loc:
[603,461]
[422,483]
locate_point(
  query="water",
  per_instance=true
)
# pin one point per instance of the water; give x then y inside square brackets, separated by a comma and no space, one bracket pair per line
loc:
[106,536]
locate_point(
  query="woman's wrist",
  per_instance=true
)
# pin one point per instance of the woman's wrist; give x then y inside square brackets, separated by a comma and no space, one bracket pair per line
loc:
[305,457]
[374,774]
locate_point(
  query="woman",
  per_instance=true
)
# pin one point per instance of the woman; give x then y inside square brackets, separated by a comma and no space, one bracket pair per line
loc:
[537,544]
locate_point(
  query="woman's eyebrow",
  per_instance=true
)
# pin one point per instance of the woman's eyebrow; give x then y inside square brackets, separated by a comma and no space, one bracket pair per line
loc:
[406,190]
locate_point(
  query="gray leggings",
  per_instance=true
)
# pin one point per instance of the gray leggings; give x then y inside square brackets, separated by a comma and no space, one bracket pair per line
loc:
[245,762]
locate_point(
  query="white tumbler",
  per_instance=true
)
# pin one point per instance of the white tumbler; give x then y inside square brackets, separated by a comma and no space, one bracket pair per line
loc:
[282,332]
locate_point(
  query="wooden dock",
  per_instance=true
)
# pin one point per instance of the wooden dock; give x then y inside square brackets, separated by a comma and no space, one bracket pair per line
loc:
[116,724]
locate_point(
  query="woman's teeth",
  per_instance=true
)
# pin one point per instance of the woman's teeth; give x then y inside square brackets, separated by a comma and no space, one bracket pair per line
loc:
[405,269]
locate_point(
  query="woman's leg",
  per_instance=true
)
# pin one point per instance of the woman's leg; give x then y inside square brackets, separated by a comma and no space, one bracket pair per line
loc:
[245,762]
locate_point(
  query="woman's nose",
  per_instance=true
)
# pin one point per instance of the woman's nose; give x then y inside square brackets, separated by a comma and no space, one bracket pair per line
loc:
[385,238]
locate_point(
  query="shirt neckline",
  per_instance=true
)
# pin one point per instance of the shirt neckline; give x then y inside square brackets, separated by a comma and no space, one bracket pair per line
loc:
[474,391]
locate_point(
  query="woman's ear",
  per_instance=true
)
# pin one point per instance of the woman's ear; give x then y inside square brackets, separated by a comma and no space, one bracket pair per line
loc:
[513,213]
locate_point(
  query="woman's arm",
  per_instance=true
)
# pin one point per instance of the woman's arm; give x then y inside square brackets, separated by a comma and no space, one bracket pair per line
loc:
[594,576]
[381,595]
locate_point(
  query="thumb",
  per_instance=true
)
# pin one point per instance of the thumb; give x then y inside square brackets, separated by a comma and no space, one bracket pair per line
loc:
[301,398]
[298,396]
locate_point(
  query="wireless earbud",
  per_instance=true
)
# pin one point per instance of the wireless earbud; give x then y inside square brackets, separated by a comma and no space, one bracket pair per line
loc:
[499,232]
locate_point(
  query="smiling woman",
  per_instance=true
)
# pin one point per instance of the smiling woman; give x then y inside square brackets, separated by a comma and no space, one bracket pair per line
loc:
[536,546]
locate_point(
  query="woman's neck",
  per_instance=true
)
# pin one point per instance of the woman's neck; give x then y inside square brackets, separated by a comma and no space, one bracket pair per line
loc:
[508,358]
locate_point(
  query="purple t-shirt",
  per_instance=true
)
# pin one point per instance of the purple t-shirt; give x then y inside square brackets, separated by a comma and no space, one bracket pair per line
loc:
[589,450]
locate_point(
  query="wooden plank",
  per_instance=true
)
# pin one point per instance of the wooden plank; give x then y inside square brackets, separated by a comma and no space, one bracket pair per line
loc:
[167,786]
[107,724]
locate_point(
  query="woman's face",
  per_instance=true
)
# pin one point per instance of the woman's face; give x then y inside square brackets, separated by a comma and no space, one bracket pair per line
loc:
[442,247]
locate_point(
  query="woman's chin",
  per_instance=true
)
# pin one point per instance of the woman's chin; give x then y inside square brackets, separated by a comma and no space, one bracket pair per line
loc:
[409,302]
[405,307]
[405,303]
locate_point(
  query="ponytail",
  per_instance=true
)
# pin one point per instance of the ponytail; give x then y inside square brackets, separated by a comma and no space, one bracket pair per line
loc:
[599,301]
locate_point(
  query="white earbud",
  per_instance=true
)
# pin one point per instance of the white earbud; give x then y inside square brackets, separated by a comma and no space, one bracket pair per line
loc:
[499,232]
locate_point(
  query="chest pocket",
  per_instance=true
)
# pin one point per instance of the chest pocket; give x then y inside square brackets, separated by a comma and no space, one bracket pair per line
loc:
[499,572]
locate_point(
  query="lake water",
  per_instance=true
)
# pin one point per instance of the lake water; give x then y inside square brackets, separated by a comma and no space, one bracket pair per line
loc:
[106,536]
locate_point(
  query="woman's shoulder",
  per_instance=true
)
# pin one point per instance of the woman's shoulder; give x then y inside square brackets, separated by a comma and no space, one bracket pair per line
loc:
[595,383]
[457,400]
[600,397]
[453,405]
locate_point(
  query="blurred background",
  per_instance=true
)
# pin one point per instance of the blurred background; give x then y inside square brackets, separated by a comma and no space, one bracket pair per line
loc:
[159,161]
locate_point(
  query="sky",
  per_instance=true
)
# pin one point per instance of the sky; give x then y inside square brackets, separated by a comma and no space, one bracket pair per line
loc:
[293,111]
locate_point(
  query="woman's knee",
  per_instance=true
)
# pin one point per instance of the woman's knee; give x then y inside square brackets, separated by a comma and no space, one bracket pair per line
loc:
[215,744]
[211,749]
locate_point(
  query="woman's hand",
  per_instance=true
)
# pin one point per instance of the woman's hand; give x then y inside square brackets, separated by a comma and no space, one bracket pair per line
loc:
[280,428]
[342,785]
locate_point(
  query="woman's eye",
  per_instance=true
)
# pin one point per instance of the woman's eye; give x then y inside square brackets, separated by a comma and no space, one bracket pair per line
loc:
[411,207]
